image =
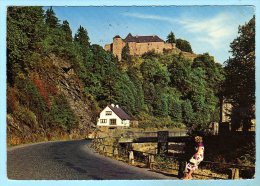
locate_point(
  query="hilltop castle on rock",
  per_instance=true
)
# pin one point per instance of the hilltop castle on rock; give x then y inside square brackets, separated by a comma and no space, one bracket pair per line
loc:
[138,45]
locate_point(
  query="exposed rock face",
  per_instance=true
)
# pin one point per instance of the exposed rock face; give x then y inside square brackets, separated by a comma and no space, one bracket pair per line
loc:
[59,74]
[70,85]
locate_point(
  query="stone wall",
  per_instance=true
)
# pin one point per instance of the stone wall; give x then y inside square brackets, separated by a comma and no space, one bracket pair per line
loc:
[108,47]
[141,48]
[137,48]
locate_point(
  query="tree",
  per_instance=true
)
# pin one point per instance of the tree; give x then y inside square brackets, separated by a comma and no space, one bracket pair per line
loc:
[50,18]
[126,53]
[62,115]
[82,40]
[136,77]
[171,38]
[82,37]
[214,71]
[183,45]
[25,32]
[180,70]
[240,74]
[155,80]
[66,28]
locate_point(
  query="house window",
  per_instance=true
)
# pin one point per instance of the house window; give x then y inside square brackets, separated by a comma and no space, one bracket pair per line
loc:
[112,121]
[108,112]
[103,121]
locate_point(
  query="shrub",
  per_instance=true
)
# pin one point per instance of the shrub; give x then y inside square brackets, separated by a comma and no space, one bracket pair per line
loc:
[61,114]
[148,121]
[26,116]
[41,87]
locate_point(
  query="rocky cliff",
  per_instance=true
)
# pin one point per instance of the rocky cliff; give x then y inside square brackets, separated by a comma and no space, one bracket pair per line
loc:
[60,75]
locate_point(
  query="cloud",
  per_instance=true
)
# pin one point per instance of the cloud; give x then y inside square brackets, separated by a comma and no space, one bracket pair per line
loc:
[146,16]
[212,30]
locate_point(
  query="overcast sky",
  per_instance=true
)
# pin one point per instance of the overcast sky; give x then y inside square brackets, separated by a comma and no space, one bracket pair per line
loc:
[207,28]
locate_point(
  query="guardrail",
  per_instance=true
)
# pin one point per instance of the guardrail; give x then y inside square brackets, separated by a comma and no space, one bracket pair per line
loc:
[163,162]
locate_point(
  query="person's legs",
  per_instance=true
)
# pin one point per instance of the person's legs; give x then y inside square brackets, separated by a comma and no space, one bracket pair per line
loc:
[190,174]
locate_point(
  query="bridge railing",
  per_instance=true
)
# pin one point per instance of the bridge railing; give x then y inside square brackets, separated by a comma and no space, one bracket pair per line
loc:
[175,165]
[154,134]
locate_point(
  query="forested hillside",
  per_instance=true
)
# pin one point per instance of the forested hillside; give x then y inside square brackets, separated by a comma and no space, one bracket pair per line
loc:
[58,83]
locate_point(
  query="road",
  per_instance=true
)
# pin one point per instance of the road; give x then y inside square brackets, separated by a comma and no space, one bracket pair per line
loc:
[70,160]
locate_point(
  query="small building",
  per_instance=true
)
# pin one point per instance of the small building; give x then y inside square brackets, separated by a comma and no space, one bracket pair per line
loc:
[113,117]
[225,117]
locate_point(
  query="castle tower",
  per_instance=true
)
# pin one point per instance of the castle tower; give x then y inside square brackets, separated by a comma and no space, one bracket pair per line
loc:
[118,45]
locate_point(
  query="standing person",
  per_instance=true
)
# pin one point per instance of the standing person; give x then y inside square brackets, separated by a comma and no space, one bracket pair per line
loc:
[195,160]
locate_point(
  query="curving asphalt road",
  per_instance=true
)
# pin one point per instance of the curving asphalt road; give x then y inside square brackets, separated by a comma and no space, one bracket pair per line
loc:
[69,160]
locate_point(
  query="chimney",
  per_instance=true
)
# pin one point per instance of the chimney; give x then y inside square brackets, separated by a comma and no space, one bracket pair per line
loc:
[117,106]
[112,105]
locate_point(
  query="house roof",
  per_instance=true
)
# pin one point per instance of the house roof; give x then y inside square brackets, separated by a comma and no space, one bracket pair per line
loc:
[120,112]
[142,39]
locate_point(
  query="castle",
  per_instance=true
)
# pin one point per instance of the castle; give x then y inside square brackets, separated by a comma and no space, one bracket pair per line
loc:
[138,45]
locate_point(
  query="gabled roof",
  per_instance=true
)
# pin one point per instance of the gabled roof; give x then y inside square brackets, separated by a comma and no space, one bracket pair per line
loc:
[142,39]
[120,112]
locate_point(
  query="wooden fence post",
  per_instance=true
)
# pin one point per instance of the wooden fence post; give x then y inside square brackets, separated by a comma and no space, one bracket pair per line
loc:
[131,157]
[181,170]
[162,144]
[233,174]
[115,152]
[104,149]
[100,148]
[150,162]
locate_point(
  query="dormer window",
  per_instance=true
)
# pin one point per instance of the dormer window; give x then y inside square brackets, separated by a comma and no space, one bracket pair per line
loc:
[108,113]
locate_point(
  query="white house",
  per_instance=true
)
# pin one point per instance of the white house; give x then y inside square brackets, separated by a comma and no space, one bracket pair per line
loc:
[113,116]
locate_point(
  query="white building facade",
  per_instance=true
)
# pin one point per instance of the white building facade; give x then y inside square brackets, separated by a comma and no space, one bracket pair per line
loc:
[113,116]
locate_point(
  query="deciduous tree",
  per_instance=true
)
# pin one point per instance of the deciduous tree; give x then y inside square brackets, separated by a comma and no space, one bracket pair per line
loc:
[183,45]
[240,74]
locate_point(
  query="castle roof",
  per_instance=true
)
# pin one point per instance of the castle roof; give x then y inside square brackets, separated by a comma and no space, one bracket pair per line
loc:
[142,39]
[117,36]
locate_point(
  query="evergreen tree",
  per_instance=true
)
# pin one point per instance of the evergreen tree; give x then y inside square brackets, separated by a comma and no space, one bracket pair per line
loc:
[171,38]
[81,37]
[50,18]
[25,32]
[82,40]
[62,115]
[126,53]
[66,28]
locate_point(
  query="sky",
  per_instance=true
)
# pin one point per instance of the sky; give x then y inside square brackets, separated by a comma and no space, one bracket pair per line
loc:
[208,28]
